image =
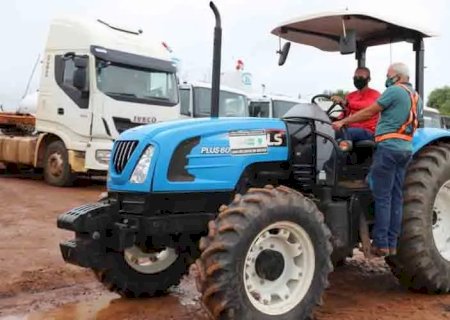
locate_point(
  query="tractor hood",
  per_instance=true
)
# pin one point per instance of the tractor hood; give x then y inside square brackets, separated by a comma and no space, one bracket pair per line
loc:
[162,130]
[195,155]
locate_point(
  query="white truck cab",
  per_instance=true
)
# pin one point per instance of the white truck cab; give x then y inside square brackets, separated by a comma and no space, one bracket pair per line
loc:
[97,81]
[432,118]
[195,100]
[270,106]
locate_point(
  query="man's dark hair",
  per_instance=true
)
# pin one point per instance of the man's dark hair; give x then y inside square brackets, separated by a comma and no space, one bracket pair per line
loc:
[364,69]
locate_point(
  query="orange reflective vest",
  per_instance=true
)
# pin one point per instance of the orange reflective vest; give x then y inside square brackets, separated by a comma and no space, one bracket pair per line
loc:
[412,120]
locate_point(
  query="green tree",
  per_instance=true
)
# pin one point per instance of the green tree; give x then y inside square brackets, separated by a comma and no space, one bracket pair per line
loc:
[440,99]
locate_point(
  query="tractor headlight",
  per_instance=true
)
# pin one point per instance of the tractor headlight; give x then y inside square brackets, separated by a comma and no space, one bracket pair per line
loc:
[140,172]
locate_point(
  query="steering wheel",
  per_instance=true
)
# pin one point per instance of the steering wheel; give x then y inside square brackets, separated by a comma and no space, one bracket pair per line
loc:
[330,110]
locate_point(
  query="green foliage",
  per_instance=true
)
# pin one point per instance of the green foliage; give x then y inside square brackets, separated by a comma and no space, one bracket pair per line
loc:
[339,92]
[440,99]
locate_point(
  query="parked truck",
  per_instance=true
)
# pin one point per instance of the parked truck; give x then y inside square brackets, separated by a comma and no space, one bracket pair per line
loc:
[270,106]
[195,99]
[97,81]
[432,118]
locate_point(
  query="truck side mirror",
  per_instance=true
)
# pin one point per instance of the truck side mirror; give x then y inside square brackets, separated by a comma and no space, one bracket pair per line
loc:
[79,79]
[284,53]
[347,42]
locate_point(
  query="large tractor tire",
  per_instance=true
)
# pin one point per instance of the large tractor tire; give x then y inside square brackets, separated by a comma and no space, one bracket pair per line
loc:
[57,170]
[423,260]
[138,274]
[267,256]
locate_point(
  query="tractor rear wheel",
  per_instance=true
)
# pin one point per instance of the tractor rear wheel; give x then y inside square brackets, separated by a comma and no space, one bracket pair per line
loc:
[267,256]
[423,260]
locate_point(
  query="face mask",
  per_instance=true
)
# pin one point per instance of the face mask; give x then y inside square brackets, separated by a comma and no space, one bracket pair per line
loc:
[360,82]
[391,81]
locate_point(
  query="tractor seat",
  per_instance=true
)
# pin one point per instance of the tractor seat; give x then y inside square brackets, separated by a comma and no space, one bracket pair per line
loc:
[365,144]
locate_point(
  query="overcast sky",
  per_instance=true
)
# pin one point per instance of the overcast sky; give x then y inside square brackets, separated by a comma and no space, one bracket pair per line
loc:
[187,26]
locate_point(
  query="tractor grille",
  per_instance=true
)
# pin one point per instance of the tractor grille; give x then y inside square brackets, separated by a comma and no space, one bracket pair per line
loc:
[122,153]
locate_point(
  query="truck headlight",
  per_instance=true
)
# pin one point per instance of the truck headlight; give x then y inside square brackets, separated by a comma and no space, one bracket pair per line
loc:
[140,172]
[103,156]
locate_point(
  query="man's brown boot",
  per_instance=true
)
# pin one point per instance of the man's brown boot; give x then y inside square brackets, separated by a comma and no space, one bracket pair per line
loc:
[392,251]
[379,252]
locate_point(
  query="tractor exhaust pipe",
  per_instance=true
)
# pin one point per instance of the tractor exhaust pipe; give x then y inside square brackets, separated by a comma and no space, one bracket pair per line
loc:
[217,56]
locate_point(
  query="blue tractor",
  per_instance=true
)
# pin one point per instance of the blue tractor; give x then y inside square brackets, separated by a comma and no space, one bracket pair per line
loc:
[264,207]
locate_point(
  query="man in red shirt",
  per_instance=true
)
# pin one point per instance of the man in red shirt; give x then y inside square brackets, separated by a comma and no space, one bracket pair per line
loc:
[355,101]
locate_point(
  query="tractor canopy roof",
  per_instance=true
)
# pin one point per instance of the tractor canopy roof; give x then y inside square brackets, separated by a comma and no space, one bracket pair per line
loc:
[324,30]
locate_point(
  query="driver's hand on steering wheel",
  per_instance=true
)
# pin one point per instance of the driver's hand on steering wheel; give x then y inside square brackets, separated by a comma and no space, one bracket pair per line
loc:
[338,100]
[337,125]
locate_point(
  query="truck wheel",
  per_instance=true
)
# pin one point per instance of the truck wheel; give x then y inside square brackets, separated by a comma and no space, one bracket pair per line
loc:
[423,260]
[135,273]
[57,171]
[267,256]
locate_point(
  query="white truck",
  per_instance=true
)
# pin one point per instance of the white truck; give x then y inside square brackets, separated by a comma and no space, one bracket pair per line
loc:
[195,101]
[270,106]
[97,80]
[432,118]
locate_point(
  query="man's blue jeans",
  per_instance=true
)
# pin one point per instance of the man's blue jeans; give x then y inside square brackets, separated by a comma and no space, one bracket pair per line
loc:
[354,134]
[387,176]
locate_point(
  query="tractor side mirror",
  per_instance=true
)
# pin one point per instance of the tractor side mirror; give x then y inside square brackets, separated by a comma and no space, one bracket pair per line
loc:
[347,42]
[284,53]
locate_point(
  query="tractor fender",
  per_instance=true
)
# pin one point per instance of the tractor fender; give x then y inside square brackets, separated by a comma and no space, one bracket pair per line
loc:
[426,136]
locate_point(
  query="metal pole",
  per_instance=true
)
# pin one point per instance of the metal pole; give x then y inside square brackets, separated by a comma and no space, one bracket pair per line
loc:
[215,90]
[31,76]
[419,48]
[361,56]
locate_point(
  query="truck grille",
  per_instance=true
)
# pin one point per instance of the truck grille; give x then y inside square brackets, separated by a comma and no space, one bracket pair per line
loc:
[122,153]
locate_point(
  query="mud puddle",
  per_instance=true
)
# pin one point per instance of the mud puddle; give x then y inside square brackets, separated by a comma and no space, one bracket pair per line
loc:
[93,302]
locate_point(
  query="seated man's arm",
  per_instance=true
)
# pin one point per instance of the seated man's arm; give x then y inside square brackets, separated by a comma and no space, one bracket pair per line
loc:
[362,115]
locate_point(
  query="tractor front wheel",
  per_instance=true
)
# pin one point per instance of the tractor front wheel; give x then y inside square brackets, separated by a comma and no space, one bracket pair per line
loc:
[267,256]
[139,272]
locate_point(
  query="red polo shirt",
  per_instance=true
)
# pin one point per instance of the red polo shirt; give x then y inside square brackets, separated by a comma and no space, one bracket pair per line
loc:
[361,99]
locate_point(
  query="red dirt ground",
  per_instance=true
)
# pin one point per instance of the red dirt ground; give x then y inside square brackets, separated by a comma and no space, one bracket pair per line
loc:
[36,283]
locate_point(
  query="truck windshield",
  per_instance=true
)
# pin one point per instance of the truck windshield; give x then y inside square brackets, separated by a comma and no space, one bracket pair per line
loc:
[185,101]
[259,109]
[231,104]
[281,107]
[127,83]
[431,120]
